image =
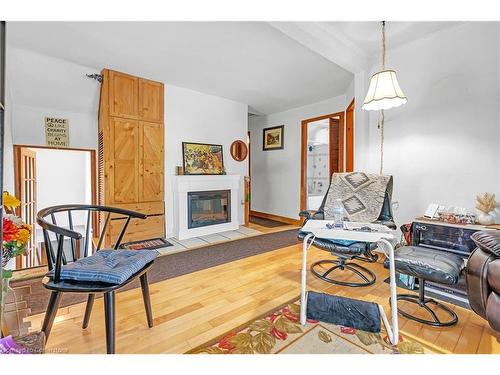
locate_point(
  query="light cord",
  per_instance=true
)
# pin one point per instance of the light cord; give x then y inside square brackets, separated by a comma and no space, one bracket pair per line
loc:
[383,45]
[381,125]
[382,116]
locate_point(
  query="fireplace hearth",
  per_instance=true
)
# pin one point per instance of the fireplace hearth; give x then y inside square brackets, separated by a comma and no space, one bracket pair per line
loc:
[208,208]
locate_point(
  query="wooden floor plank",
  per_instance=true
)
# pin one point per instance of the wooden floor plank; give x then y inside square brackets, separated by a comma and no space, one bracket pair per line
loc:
[192,309]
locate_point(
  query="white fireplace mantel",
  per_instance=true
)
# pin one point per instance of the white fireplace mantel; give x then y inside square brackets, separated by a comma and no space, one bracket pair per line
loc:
[184,184]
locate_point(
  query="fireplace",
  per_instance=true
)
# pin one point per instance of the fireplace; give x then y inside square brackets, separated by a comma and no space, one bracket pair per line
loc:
[208,208]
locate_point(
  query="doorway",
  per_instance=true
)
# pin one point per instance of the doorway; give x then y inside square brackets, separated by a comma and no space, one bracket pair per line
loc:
[322,154]
[47,177]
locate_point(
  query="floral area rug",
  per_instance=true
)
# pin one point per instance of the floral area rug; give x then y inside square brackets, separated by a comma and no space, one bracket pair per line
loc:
[280,332]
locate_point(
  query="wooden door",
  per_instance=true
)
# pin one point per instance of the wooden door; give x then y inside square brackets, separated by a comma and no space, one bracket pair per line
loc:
[123,95]
[349,145]
[151,176]
[124,163]
[26,193]
[150,100]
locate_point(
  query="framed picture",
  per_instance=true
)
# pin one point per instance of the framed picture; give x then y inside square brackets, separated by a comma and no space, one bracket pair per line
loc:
[273,138]
[201,158]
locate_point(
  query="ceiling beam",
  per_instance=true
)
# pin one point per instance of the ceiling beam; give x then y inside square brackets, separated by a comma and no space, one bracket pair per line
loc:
[318,37]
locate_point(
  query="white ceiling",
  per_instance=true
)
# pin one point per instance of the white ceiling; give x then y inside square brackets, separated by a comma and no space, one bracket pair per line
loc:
[271,67]
[368,38]
[249,62]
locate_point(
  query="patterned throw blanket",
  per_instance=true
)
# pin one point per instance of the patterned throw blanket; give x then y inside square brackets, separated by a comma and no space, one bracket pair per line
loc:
[362,195]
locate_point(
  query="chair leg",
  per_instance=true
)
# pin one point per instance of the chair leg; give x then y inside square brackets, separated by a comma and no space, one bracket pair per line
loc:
[88,310]
[145,297]
[109,315]
[366,276]
[50,314]
[423,302]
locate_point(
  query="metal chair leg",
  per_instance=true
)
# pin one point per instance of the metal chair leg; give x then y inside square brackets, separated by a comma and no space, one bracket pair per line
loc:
[424,303]
[146,298]
[109,315]
[50,314]
[88,310]
[366,276]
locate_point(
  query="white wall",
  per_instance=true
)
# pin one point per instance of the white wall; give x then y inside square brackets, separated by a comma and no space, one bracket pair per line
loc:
[8,153]
[46,86]
[191,116]
[443,146]
[63,177]
[276,174]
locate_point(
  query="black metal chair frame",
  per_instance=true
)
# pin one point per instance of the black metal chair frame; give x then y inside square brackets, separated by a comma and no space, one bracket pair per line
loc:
[57,259]
[423,302]
[366,276]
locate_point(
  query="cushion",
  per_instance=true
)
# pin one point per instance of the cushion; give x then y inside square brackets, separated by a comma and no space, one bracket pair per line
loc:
[339,247]
[438,266]
[108,266]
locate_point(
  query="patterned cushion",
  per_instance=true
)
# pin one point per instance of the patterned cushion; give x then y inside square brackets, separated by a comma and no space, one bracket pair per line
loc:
[108,266]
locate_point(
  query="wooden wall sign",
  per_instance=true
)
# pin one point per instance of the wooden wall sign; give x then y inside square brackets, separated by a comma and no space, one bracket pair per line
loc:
[56,132]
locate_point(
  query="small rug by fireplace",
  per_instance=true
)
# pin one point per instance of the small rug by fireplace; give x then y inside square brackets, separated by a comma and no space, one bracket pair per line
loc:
[280,332]
[267,223]
[169,266]
[152,244]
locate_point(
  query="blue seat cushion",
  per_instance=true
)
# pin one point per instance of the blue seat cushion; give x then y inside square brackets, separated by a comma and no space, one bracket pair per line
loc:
[107,266]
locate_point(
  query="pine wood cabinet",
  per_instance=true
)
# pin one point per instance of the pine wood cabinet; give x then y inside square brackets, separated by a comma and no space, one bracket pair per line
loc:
[123,95]
[131,153]
[151,162]
[124,160]
[151,101]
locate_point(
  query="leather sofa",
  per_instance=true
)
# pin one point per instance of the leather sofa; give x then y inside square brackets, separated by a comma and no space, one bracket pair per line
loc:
[483,277]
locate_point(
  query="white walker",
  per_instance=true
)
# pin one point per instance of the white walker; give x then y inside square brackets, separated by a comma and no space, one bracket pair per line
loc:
[317,229]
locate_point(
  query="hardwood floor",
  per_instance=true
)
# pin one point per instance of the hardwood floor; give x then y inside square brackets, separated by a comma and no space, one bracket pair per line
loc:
[192,309]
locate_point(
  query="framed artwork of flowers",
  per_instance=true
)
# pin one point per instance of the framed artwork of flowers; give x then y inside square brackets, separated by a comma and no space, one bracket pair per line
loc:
[201,158]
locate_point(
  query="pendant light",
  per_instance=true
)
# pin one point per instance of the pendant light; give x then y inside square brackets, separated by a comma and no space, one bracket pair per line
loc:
[383,93]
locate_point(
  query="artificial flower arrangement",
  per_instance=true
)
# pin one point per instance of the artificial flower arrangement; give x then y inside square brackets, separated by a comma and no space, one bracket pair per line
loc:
[16,234]
[15,237]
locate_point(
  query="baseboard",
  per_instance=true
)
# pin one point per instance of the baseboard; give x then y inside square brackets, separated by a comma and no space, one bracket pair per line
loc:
[281,219]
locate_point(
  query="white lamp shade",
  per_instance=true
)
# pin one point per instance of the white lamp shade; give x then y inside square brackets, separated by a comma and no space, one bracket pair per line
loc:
[384,92]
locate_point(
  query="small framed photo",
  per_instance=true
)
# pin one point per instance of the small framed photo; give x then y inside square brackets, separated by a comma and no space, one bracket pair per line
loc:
[273,138]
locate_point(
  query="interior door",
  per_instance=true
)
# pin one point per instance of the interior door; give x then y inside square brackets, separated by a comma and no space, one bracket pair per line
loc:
[26,193]
[150,100]
[124,166]
[349,144]
[123,95]
[151,178]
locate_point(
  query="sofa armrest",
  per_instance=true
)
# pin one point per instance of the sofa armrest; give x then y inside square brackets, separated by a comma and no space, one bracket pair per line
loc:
[488,241]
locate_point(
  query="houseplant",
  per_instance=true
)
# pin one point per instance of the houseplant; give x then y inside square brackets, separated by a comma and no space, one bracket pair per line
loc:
[15,237]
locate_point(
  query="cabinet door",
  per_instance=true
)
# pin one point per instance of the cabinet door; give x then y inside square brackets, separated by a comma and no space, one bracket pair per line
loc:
[124,166]
[150,100]
[151,178]
[123,95]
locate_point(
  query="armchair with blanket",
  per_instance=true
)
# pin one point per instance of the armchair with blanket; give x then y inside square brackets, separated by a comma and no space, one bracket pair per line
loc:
[366,198]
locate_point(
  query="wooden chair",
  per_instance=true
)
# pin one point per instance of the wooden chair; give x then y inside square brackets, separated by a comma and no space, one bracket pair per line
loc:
[56,260]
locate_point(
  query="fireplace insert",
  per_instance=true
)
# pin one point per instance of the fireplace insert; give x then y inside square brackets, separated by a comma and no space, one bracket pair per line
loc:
[208,208]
